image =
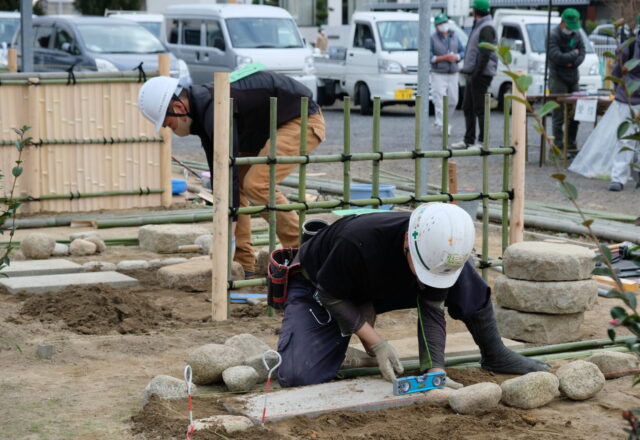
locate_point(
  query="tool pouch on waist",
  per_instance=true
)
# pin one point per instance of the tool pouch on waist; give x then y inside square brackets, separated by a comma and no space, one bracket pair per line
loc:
[279,271]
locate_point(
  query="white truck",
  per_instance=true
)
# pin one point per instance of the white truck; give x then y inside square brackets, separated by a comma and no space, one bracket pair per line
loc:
[380,58]
[526,33]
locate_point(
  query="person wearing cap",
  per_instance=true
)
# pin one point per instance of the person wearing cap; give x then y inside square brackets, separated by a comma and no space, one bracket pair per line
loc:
[189,111]
[480,66]
[566,54]
[446,51]
[361,266]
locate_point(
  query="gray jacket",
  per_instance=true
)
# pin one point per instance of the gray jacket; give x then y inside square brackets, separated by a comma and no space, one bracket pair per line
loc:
[443,46]
[474,53]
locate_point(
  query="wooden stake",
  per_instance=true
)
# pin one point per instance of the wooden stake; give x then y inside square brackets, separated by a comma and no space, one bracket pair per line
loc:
[165,150]
[519,130]
[221,114]
[12,60]
[453,179]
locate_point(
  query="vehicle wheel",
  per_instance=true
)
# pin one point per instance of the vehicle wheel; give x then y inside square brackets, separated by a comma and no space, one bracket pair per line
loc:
[364,99]
[505,89]
[326,94]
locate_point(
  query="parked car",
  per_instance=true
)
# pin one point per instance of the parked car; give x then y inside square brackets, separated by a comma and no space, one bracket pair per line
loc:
[100,44]
[223,37]
[152,22]
[9,22]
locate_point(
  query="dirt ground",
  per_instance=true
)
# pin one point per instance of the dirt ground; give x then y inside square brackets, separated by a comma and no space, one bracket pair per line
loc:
[109,343]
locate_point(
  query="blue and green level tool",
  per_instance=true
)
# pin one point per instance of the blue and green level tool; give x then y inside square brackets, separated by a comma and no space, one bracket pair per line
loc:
[416,384]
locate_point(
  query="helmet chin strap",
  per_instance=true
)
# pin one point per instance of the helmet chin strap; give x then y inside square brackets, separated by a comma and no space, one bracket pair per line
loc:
[178,115]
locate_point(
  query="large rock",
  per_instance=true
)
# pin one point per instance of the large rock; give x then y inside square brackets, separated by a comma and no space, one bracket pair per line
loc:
[60,250]
[133,265]
[542,261]
[240,378]
[262,262]
[205,241]
[476,399]
[99,242]
[580,380]
[84,235]
[158,262]
[209,361]
[248,344]
[37,246]
[167,238]
[81,247]
[531,390]
[194,276]
[166,387]
[539,327]
[555,297]
[230,424]
[614,364]
[99,266]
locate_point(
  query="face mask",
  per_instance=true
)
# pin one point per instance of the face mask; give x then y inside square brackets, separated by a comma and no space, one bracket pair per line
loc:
[444,28]
[567,31]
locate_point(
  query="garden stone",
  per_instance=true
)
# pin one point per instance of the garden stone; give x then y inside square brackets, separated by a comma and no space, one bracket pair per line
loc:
[613,364]
[257,364]
[240,378]
[205,241]
[231,424]
[543,261]
[37,246]
[555,297]
[580,380]
[132,265]
[158,263]
[81,247]
[538,327]
[237,271]
[167,387]
[210,360]
[100,246]
[193,275]
[475,399]
[99,266]
[248,344]
[532,390]
[168,238]
[60,250]
[84,235]
[262,262]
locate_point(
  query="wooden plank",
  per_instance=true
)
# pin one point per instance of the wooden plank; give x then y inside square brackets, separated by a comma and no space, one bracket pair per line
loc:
[629,285]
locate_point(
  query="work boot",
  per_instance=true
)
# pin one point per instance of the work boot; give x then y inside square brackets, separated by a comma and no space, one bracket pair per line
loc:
[616,186]
[494,355]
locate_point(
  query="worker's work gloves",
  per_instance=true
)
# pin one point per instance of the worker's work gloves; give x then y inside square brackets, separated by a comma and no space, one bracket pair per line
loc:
[388,360]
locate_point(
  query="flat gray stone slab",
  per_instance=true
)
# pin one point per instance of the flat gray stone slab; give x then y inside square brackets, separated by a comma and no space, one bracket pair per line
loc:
[41,267]
[51,283]
[361,394]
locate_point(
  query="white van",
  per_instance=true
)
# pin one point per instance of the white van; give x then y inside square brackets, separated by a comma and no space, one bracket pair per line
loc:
[222,37]
[526,33]
[9,22]
[152,22]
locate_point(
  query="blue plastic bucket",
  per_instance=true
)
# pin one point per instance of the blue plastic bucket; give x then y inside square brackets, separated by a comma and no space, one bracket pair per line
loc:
[364,190]
[178,186]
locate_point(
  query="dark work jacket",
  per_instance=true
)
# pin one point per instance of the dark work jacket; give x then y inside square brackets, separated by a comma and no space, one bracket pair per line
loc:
[251,108]
[563,61]
[622,56]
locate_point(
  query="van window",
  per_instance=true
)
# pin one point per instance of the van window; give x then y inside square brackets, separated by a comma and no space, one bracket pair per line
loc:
[62,36]
[119,38]
[214,35]
[510,34]
[42,36]
[398,35]
[8,27]
[260,33]
[363,31]
[538,37]
[191,32]
[173,32]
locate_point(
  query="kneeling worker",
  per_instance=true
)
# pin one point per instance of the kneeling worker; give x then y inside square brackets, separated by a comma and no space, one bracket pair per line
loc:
[363,265]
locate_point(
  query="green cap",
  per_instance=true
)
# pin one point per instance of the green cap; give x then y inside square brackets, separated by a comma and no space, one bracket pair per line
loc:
[571,17]
[441,18]
[480,5]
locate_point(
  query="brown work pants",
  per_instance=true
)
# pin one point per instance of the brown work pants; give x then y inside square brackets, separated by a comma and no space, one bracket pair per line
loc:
[254,187]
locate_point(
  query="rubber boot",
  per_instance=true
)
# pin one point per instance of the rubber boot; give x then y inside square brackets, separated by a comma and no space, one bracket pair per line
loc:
[494,355]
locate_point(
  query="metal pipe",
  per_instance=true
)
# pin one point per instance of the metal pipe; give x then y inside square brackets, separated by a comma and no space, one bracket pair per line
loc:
[346,150]
[418,190]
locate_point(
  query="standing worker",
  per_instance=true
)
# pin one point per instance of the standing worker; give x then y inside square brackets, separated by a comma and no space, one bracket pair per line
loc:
[480,66]
[446,52]
[190,111]
[374,263]
[566,53]
[322,43]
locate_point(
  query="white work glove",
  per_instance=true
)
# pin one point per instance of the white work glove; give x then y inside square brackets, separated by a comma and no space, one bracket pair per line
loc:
[388,360]
[450,383]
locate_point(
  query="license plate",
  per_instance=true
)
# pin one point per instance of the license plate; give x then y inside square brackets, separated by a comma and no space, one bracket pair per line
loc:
[404,94]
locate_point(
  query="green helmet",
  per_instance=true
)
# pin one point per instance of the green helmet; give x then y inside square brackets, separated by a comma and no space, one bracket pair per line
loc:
[571,17]
[440,18]
[480,5]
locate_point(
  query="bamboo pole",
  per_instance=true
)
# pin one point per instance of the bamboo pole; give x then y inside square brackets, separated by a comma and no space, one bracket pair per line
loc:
[165,147]
[346,150]
[375,148]
[418,148]
[273,144]
[302,189]
[485,182]
[31,155]
[452,181]
[519,128]
[12,60]
[221,115]
[446,176]
[506,160]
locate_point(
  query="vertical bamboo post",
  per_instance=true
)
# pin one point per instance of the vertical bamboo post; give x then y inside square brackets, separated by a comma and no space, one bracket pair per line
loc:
[302,179]
[452,179]
[485,182]
[518,128]
[505,174]
[445,144]
[375,147]
[565,133]
[273,128]
[12,60]
[165,148]
[230,225]
[418,148]
[346,151]
[32,155]
[221,115]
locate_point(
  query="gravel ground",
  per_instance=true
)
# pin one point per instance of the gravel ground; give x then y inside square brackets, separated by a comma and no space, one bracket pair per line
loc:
[397,134]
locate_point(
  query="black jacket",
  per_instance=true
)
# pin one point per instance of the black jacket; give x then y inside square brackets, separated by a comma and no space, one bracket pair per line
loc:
[563,60]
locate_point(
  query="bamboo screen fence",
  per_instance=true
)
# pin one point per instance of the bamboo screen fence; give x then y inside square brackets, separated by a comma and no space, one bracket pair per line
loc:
[92,148]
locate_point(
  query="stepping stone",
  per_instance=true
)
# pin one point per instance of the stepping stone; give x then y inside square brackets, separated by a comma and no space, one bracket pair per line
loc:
[51,283]
[41,267]
[458,344]
[361,394]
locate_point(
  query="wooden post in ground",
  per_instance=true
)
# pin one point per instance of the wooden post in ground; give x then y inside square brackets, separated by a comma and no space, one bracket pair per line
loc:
[519,130]
[453,179]
[165,149]
[221,133]
[12,60]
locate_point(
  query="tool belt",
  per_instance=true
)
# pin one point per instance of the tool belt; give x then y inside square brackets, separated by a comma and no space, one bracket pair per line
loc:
[280,269]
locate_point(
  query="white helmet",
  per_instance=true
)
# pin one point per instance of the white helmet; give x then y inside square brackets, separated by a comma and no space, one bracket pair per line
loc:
[441,238]
[155,96]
